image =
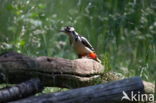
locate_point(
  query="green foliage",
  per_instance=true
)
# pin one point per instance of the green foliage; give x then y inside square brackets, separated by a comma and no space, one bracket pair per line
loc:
[106,63]
[123,32]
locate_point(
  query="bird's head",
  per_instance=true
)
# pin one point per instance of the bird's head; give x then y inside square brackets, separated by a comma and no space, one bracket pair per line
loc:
[68,30]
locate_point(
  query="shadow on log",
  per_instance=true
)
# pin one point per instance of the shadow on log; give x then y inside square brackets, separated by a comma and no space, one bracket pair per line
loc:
[104,93]
[22,90]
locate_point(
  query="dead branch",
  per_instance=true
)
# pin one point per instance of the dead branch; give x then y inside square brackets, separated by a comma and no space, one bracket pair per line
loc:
[103,93]
[22,90]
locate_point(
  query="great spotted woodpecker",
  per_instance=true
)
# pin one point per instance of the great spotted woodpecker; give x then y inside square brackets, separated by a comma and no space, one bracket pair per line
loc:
[81,45]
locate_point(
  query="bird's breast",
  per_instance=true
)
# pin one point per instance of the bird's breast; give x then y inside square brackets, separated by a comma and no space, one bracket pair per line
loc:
[80,48]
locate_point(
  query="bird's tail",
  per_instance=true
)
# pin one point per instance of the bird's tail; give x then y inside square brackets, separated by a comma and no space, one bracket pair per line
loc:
[98,60]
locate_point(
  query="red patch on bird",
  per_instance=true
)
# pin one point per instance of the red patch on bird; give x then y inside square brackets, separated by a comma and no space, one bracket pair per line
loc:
[92,55]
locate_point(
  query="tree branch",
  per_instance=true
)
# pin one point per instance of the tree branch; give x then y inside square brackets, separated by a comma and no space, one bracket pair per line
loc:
[21,90]
[103,93]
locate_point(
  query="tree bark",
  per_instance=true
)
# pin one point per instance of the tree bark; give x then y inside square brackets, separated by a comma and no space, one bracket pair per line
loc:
[22,90]
[16,68]
[104,93]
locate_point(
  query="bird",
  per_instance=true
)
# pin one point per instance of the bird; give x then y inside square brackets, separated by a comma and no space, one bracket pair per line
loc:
[80,44]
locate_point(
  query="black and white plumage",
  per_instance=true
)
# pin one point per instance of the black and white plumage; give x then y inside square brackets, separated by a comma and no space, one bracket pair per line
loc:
[83,40]
[86,43]
[81,44]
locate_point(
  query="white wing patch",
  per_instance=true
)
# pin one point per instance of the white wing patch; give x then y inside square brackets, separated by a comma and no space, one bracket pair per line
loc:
[86,43]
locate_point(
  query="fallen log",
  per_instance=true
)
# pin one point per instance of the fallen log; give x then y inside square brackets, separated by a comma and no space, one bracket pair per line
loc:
[17,68]
[19,91]
[51,71]
[104,93]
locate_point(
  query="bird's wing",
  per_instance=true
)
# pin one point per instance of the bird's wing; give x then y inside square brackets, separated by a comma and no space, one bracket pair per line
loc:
[86,43]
